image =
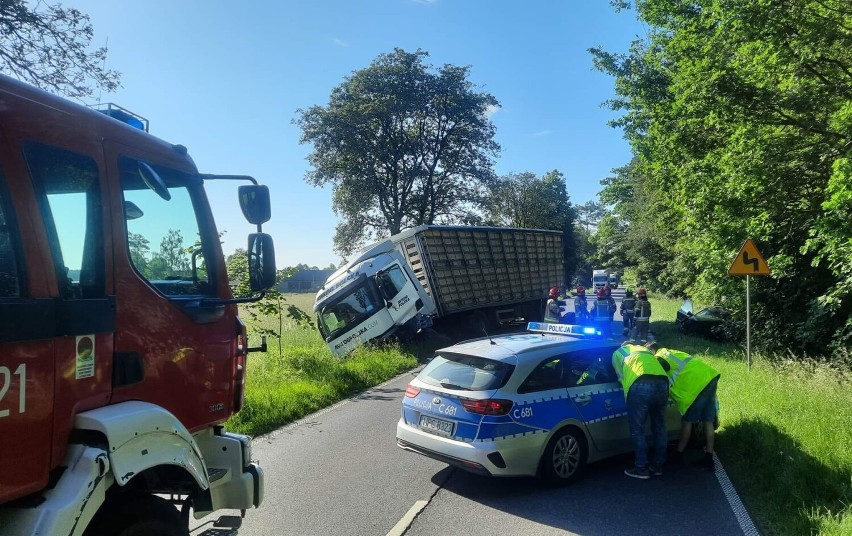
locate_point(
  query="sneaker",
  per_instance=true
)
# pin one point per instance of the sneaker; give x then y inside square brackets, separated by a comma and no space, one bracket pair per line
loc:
[635,472]
[656,471]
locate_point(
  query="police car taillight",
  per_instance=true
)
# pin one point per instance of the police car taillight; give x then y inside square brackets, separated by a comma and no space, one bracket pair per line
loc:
[412,391]
[488,407]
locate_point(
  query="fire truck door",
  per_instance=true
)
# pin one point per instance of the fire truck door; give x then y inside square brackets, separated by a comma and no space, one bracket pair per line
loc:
[26,345]
[70,198]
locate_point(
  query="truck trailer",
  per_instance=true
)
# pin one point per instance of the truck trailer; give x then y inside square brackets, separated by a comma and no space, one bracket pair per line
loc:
[118,367]
[439,275]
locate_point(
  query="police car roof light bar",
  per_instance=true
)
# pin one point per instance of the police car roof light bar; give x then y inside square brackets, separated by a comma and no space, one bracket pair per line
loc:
[562,329]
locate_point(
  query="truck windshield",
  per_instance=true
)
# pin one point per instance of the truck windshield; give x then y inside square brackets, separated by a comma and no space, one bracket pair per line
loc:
[345,313]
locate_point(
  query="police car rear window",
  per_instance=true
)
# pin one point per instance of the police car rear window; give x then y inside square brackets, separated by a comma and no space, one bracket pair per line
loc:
[466,372]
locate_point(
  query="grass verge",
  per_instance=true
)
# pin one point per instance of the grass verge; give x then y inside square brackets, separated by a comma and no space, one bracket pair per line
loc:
[785,435]
[303,377]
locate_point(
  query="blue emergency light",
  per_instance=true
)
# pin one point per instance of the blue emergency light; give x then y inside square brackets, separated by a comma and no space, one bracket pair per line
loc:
[125,116]
[562,329]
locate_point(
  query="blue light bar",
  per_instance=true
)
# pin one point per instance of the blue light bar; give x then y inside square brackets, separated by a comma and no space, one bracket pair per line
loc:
[125,116]
[562,329]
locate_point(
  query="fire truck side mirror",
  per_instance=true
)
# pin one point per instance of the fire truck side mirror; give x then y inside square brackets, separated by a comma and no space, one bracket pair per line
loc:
[261,261]
[153,180]
[254,200]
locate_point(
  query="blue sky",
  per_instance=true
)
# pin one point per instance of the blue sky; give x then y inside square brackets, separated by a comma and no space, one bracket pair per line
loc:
[226,78]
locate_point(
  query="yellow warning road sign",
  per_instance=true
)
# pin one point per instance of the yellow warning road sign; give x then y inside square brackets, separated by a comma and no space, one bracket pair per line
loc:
[749,261]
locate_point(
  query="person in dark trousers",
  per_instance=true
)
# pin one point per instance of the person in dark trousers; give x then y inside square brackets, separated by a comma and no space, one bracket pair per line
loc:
[642,317]
[628,304]
[600,313]
[581,306]
[693,388]
[646,391]
[612,307]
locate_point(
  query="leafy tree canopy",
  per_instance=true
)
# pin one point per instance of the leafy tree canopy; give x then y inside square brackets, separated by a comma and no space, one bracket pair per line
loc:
[740,117]
[49,47]
[402,144]
[526,201]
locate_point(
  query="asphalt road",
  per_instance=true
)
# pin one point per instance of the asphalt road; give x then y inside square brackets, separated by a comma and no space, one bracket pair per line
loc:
[339,472]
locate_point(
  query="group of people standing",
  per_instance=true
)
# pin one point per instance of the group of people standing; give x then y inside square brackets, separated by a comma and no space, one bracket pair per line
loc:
[635,311]
[649,375]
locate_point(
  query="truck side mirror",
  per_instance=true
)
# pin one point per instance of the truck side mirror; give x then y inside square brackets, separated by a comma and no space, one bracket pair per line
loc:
[261,261]
[254,201]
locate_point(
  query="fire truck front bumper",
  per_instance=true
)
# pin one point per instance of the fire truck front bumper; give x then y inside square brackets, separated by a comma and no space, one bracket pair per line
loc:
[236,482]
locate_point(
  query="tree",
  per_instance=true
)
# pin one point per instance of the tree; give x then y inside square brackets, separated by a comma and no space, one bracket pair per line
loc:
[139,247]
[49,46]
[401,146]
[173,253]
[526,201]
[589,214]
[739,116]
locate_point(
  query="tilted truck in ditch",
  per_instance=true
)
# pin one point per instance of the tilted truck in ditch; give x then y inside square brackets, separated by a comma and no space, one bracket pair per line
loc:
[117,366]
[441,275]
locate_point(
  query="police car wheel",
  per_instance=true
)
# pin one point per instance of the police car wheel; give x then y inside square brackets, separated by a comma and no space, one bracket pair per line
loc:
[564,457]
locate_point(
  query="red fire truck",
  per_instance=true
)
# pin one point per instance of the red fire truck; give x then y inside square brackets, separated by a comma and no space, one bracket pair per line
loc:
[121,352]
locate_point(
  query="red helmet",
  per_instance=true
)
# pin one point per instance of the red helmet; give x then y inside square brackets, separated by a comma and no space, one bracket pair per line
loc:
[554,292]
[601,292]
[581,290]
[642,292]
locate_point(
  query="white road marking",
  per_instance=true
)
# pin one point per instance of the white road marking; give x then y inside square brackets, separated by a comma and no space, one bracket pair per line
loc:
[403,524]
[737,506]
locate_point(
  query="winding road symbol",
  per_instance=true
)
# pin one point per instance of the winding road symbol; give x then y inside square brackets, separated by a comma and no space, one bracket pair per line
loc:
[749,261]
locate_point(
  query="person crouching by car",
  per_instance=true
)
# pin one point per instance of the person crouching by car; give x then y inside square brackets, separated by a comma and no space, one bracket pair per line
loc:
[646,392]
[693,389]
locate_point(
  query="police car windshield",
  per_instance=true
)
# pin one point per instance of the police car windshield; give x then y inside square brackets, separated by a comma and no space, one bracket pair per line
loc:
[466,372]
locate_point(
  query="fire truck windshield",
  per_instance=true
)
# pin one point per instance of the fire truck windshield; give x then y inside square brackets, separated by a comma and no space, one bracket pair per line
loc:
[165,236]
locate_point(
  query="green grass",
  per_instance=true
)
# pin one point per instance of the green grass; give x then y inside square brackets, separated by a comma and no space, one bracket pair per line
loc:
[785,435]
[304,376]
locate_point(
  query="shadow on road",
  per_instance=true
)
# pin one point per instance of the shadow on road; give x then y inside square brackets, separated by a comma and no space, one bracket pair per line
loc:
[602,502]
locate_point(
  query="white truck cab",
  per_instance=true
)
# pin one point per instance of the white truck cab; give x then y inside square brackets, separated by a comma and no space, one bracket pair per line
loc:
[372,297]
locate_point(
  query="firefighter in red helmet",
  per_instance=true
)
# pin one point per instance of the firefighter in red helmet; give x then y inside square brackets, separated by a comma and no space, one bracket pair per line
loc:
[551,310]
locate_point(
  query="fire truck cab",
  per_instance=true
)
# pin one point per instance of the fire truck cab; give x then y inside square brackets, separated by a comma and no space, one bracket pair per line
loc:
[121,351]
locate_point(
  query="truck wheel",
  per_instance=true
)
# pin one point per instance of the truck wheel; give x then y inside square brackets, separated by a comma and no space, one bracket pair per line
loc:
[139,515]
[564,458]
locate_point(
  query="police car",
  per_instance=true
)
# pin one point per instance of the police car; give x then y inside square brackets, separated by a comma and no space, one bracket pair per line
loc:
[544,402]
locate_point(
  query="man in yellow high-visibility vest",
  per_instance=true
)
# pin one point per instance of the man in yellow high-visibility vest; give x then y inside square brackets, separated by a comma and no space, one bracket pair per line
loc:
[646,392]
[692,386]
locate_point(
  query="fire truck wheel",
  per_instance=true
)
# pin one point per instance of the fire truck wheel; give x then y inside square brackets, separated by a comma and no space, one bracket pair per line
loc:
[139,515]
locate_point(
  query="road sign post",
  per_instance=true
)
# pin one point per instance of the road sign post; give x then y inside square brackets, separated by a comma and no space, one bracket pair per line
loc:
[748,262]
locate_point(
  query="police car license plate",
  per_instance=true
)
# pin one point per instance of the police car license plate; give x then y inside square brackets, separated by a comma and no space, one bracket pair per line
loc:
[436,426]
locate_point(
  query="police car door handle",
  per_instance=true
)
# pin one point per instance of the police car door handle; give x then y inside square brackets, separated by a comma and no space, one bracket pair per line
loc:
[583,399]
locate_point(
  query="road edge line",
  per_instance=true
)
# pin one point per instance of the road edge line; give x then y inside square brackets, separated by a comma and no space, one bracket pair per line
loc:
[737,506]
[406,520]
